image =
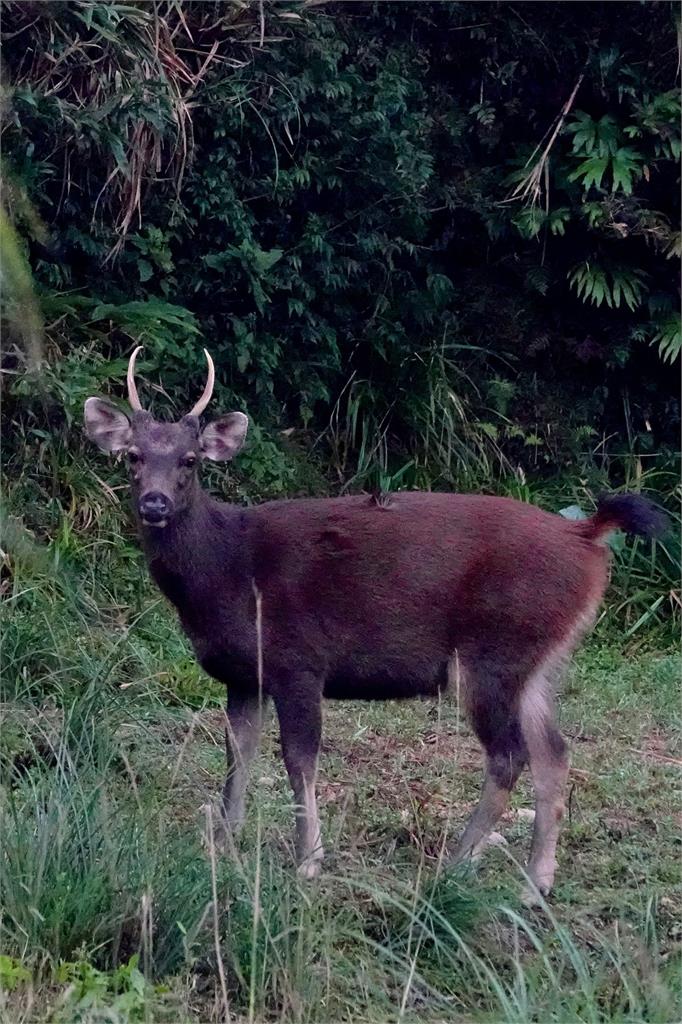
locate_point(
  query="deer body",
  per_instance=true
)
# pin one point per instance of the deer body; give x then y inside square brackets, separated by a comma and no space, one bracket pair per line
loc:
[371,599]
[374,600]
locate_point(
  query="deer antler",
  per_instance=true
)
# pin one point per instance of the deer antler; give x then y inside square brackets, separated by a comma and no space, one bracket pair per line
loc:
[133,397]
[208,390]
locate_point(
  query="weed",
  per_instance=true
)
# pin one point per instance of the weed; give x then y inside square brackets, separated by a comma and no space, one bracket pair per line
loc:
[103,862]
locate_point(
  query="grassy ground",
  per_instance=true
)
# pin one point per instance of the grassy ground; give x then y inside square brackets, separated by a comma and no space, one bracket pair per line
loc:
[117,906]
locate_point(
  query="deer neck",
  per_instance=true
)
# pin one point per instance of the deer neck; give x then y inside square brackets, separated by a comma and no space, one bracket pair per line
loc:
[195,550]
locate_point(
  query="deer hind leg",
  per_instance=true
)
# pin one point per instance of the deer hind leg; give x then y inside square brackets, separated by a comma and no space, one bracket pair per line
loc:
[242,734]
[549,763]
[300,717]
[506,756]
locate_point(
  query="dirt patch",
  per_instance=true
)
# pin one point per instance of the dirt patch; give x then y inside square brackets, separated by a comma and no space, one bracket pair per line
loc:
[656,746]
[380,749]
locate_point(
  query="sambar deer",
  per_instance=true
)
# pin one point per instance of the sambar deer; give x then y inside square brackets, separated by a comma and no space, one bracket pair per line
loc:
[370,600]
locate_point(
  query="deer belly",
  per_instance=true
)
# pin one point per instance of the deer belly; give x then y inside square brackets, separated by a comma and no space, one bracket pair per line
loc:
[231,669]
[387,685]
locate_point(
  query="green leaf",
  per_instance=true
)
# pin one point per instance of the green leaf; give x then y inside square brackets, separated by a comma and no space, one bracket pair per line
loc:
[668,337]
[625,168]
[611,285]
[529,221]
[145,270]
[590,171]
[584,132]
[594,137]
[440,286]
[12,973]
[263,261]
[595,213]
[558,219]
[538,279]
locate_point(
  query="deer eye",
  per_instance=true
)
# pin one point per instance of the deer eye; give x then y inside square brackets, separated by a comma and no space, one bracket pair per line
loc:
[133,457]
[189,461]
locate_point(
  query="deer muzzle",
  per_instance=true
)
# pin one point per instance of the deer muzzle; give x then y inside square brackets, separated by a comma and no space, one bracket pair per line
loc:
[155,509]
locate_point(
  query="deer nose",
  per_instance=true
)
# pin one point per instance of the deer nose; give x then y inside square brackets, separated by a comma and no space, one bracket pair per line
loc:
[154,507]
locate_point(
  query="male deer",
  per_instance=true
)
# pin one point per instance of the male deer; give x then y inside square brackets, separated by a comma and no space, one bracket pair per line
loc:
[370,600]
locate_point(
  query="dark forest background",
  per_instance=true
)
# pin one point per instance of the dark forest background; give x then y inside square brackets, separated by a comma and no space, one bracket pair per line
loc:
[428,244]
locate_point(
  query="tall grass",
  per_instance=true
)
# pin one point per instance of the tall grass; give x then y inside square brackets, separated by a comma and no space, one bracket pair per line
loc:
[105,858]
[448,446]
[97,866]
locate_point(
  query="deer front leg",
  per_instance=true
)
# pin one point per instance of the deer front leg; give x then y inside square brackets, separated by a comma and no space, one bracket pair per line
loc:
[242,734]
[300,720]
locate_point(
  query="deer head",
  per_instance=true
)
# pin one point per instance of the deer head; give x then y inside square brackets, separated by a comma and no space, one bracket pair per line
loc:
[163,457]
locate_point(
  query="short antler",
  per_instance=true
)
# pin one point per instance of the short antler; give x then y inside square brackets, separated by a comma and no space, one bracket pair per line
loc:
[133,397]
[208,390]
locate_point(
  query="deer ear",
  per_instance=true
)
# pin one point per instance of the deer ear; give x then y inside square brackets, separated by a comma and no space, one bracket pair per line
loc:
[222,439]
[106,425]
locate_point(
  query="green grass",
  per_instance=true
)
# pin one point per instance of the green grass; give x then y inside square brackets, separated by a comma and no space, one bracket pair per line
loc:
[108,876]
[116,906]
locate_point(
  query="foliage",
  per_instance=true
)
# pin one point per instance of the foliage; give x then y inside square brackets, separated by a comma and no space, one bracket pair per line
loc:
[122,993]
[12,973]
[332,219]
[21,308]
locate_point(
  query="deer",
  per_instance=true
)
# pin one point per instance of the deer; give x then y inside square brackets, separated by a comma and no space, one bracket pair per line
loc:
[299,600]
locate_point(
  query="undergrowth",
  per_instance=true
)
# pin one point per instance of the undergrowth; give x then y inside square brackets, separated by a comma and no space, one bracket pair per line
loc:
[119,905]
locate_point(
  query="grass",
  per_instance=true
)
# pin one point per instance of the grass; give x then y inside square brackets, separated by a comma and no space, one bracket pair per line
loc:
[117,906]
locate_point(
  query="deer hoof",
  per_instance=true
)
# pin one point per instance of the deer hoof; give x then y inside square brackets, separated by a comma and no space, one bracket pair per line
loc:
[536,890]
[309,869]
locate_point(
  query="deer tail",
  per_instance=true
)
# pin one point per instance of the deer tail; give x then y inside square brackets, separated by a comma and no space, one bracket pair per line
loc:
[629,512]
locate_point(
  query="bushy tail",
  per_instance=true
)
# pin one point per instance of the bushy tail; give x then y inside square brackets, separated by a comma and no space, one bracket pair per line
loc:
[629,512]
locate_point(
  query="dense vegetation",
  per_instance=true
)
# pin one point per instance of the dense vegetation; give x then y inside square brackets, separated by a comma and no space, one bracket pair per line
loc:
[435,249]
[371,217]
[427,244]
